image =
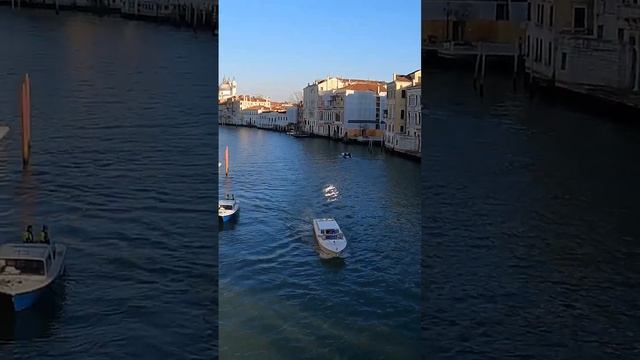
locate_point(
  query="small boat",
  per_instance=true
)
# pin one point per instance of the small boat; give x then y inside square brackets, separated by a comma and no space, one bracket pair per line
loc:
[346,155]
[299,134]
[330,238]
[228,208]
[27,271]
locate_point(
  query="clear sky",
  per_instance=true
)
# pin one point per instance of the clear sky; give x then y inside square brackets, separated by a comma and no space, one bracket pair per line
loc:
[275,47]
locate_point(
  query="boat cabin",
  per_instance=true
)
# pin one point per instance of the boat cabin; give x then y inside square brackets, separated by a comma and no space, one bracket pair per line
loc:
[329,229]
[25,259]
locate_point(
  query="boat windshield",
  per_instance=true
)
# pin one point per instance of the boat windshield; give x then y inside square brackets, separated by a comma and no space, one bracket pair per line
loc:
[21,267]
[227,207]
[332,234]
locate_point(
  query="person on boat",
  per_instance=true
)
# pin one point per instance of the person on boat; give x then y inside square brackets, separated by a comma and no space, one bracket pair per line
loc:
[44,235]
[28,235]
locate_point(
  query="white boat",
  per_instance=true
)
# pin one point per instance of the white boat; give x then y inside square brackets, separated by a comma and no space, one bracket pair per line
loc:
[228,208]
[27,271]
[330,238]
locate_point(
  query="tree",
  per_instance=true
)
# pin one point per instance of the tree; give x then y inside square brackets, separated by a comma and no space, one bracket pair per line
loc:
[296,97]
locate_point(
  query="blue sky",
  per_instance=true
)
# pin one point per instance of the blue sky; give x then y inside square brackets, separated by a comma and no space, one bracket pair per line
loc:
[274,48]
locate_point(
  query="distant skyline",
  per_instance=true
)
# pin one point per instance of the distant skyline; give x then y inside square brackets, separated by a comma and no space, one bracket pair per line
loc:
[275,48]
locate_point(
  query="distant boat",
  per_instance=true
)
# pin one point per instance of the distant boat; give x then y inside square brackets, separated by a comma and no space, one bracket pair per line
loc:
[298,134]
[27,271]
[228,208]
[330,238]
[346,155]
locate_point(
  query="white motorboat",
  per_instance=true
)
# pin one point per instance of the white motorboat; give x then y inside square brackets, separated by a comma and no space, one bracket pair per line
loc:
[330,238]
[27,271]
[228,208]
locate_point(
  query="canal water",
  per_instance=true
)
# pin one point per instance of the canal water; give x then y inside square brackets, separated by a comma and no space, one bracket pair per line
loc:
[532,244]
[278,298]
[123,172]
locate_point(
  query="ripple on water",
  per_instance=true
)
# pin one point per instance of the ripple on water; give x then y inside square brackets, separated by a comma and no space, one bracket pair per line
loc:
[122,171]
[277,297]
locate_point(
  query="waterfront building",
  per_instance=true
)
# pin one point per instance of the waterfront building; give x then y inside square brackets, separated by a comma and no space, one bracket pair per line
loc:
[454,28]
[398,134]
[353,112]
[414,115]
[230,108]
[227,89]
[316,97]
[585,45]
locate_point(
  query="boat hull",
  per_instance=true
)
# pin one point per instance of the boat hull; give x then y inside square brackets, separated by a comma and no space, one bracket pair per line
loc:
[227,218]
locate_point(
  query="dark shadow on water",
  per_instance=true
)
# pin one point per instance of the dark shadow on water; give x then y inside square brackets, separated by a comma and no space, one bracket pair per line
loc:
[37,321]
[229,225]
[335,264]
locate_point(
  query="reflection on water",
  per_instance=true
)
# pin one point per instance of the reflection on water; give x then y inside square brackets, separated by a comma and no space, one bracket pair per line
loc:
[532,244]
[121,171]
[39,321]
[331,193]
[278,298]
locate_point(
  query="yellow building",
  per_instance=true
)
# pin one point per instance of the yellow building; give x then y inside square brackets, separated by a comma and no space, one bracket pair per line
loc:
[472,21]
[397,135]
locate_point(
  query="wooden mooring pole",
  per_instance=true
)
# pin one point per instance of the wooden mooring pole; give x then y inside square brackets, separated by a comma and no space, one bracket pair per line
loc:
[475,73]
[484,63]
[26,121]
[515,67]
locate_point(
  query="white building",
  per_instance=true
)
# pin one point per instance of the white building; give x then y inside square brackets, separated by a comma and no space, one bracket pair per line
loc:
[324,101]
[353,112]
[227,89]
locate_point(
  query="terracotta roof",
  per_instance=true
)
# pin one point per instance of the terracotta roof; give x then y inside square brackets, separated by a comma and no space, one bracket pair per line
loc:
[374,87]
[257,107]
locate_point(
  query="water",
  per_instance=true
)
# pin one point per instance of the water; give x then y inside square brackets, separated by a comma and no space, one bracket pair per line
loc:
[278,298]
[123,172]
[530,221]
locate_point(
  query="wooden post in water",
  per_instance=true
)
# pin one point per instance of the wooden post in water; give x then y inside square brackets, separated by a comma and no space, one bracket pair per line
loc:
[475,73]
[515,66]
[226,161]
[484,62]
[26,121]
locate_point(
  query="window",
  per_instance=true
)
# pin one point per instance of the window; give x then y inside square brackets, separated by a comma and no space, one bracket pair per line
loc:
[551,16]
[404,94]
[542,14]
[528,11]
[502,11]
[563,62]
[600,31]
[402,114]
[528,45]
[580,17]
[549,50]
[621,34]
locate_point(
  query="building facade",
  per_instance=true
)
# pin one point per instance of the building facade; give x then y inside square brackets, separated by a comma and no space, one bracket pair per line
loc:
[473,21]
[399,133]
[324,104]
[576,43]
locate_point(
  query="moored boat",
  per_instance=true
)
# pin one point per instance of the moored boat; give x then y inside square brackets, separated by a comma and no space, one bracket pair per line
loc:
[27,271]
[228,208]
[331,240]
